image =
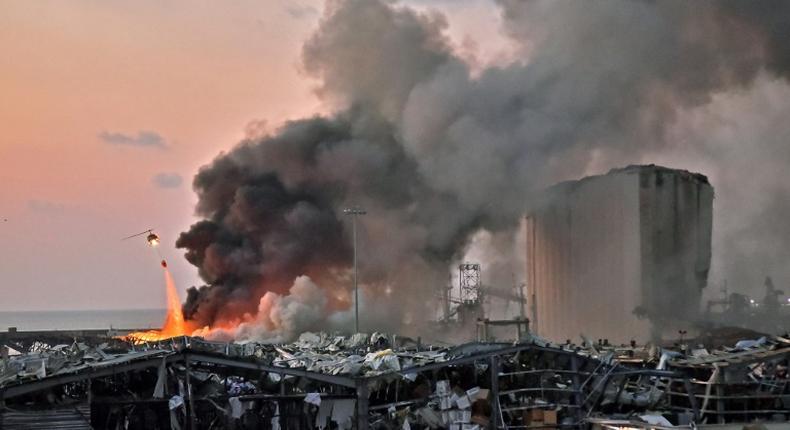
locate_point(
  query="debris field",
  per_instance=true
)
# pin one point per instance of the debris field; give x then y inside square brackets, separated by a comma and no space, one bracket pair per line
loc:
[381,381]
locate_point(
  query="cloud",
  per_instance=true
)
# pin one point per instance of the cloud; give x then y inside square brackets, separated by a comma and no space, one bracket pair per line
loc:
[298,11]
[46,207]
[168,180]
[143,139]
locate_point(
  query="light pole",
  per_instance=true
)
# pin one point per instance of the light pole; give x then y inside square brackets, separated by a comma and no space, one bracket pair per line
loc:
[354,212]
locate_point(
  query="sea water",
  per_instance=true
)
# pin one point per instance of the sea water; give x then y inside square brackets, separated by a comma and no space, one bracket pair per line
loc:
[84,319]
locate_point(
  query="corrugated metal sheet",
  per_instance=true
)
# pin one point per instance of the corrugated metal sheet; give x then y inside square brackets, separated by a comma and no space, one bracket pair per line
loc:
[73,418]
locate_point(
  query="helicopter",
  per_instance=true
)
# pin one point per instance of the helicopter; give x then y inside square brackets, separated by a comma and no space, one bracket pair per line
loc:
[152,239]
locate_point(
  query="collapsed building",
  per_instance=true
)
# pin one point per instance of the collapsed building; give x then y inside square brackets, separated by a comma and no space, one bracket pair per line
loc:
[380,381]
[627,254]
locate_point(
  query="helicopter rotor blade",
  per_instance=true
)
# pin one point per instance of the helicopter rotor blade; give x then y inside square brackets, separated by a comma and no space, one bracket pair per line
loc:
[150,230]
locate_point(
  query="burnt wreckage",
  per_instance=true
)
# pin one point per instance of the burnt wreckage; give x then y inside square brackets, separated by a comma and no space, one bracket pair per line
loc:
[387,382]
[578,282]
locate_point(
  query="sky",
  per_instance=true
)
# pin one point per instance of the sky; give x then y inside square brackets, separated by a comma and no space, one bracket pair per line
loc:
[108,110]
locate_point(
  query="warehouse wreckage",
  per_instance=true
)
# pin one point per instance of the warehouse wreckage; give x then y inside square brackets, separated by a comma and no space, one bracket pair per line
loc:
[387,382]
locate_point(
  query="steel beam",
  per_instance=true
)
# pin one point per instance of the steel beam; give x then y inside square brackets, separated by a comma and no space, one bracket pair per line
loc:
[496,412]
[330,379]
[363,412]
[92,373]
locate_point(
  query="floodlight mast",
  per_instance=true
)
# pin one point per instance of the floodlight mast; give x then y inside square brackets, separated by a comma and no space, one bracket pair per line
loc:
[354,212]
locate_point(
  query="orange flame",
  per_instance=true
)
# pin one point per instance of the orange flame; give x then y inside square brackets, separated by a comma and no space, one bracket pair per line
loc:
[174,321]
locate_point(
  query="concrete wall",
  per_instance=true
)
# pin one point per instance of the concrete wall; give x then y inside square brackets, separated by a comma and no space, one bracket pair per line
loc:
[676,213]
[604,248]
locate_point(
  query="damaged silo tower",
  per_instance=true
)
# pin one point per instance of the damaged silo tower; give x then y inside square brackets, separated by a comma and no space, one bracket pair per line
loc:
[620,256]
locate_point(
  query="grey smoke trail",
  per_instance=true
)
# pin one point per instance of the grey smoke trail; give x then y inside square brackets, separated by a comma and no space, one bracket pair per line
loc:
[436,154]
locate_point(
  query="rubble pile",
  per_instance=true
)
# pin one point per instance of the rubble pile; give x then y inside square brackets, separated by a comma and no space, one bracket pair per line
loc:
[381,381]
[42,360]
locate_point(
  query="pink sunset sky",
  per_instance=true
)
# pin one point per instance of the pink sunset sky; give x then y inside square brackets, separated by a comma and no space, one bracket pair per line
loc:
[108,109]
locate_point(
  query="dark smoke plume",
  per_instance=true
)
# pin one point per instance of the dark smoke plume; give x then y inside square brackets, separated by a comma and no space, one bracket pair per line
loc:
[437,154]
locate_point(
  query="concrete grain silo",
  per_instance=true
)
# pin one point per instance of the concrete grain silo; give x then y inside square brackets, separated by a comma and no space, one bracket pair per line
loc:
[620,256]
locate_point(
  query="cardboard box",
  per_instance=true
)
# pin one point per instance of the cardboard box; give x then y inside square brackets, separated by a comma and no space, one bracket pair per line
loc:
[466,416]
[463,402]
[550,416]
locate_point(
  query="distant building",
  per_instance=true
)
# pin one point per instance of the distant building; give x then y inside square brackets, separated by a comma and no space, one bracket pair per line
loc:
[620,256]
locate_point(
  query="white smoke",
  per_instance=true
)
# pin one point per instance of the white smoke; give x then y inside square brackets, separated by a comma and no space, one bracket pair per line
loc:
[279,318]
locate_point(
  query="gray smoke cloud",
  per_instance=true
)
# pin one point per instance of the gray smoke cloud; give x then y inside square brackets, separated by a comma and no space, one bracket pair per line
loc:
[143,139]
[740,141]
[167,180]
[437,154]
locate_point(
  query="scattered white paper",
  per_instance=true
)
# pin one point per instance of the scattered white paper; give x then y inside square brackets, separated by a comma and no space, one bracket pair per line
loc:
[463,402]
[442,388]
[236,410]
[175,402]
[313,398]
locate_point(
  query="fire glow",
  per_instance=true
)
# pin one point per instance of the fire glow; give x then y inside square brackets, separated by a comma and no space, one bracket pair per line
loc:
[174,321]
